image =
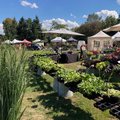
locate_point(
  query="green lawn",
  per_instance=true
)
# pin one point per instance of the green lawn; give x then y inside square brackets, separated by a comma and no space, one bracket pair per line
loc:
[44,104]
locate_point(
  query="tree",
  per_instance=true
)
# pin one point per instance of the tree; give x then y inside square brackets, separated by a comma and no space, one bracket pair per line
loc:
[10,28]
[93,18]
[29,33]
[118,20]
[109,21]
[36,28]
[22,29]
[14,28]
[89,29]
[56,25]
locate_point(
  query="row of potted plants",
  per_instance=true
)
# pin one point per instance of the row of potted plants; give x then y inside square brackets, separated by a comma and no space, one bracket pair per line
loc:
[88,84]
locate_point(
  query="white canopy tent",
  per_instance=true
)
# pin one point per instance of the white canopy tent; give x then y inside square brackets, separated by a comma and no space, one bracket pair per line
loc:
[58,40]
[71,39]
[63,31]
[16,41]
[99,41]
[37,41]
[7,42]
[80,43]
[116,37]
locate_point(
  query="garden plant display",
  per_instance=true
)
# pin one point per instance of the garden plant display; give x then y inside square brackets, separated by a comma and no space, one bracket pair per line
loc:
[68,75]
[91,84]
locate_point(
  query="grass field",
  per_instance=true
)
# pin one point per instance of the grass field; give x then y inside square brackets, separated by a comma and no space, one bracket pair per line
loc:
[42,103]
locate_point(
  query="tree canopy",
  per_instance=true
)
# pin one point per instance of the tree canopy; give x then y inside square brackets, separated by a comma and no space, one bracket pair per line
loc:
[94,24]
[56,25]
[22,29]
[93,18]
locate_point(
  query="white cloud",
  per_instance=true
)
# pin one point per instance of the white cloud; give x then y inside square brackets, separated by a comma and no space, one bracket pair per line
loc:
[46,24]
[85,16]
[1,29]
[25,3]
[105,13]
[118,1]
[72,15]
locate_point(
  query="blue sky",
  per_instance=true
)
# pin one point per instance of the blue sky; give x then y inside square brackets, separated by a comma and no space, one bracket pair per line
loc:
[74,11]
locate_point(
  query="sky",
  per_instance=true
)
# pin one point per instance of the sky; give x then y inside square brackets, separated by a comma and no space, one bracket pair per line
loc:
[70,12]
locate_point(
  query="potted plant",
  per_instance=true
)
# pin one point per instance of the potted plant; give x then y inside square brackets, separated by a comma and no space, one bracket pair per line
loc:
[66,76]
[91,86]
[111,95]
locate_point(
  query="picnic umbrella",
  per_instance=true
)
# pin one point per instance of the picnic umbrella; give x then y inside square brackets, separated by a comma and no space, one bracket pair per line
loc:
[63,31]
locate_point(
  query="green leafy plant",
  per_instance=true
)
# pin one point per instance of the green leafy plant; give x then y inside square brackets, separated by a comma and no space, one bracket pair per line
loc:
[112,92]
[46,64]
[102,65]
[91,84]
[68,75]
[13,82]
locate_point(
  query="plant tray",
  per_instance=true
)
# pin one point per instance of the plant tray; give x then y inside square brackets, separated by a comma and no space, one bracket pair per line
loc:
[115,111]
[98,99]
[104,105]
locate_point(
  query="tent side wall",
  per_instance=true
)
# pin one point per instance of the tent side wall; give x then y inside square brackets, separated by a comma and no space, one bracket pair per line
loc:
[89,44]
[102,41]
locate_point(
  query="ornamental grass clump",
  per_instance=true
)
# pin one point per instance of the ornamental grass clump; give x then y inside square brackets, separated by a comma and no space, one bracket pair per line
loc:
[13,82]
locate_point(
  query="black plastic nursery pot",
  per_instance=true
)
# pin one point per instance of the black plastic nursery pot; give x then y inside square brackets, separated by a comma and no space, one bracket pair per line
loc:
[51,72]
[72,86]
[110,99]
[107,102]
[93,95]
[115,111]
[60,80]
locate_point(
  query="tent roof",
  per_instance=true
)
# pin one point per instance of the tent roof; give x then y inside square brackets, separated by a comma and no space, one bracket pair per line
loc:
[117,35]
[113,28]
[100,34]
[26,41]
[72,39]
[58,39]
[63,31]
[16,41]
[36,41]
[7,41]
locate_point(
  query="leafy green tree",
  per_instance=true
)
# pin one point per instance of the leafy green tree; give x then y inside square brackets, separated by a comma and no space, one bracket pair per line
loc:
[36,28]
[14,28]
[89,29]
[118,20]
[29,33]
[22,29]
[93,18]
[56,25]
[10,28]
[109,21]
